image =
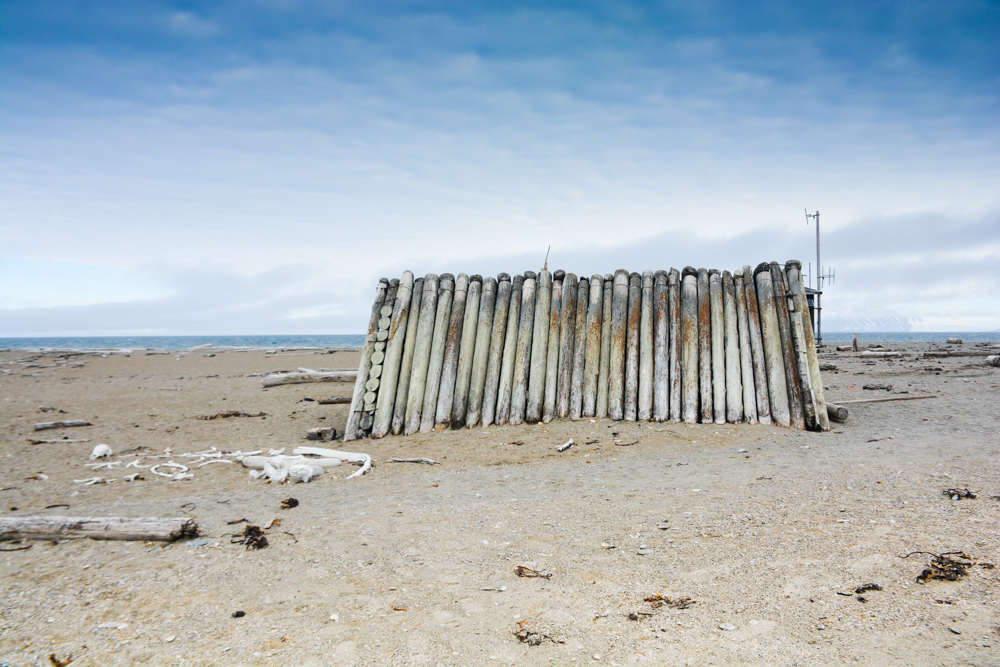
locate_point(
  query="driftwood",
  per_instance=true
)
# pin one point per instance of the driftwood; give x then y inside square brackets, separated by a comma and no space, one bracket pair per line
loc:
[53,442]
[449,367]
[277,379]
[718,346]
[619,325]
[43,426]
[601,409]
[793,269]
[592,353]
[422,460]
[646,349]
[480,358]
[771,335]
[674,310]
[466,352]
[355,414]
[504,392]
[845,348]
[795,402]
[421,355]
[522,355]
[334,401]
[495,360]
[550,394]
[395,338]
[567,345]
[887,400]
[661,348]
[855,343]
[705,346]
[435,369]
[837,412]
[539,348]
[993,360]
[757,354]
[881,354]
[689,345]
[406,363]
[96,528]
[746,358]
[630,402]
[952,353]
[734,379]
[579,349]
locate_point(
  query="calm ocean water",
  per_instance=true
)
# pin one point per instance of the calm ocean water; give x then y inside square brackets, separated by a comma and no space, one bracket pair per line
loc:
[185,342]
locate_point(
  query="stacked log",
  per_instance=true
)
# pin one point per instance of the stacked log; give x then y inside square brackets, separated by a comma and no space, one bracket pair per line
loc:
[696,345]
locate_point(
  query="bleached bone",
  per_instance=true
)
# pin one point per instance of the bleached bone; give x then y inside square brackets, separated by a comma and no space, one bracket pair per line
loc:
[351,457]
[286,462]
[277,475]
[98,466]
[100,452]
[276,452]
[130,478]
[135,464]
[174,476]
[304,472]
[214,461]
[92,480]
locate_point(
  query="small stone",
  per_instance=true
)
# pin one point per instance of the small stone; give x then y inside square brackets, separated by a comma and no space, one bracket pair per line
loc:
[169,638]
[597,656]
[239,614]
[741,451]
[954,631]
[727,626]
[334,618]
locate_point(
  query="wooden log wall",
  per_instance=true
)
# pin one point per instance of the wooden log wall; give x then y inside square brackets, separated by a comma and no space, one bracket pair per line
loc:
[696,345]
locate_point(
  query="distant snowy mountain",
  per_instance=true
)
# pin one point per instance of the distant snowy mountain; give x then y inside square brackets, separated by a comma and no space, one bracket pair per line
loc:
[863,318]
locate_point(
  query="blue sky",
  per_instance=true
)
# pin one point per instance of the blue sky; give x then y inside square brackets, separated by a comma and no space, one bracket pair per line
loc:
[255,167]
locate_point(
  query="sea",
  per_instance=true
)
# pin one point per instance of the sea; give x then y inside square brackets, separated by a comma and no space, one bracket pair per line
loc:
[358,340]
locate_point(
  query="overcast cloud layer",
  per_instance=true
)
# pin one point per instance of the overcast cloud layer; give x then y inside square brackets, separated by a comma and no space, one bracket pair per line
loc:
[255,167]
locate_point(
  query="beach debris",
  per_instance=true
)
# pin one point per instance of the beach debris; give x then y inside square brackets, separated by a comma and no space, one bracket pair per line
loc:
[60,663]
[527,570]
[97,528]
[836,412]
[427,461]
[864,588]
[252,537]
[56,441]
[100,452]
[949,566]
[271,523]
[309,375]
[534,637]
[36,477]
[657,601]
[350,457]
[954,341]
[878,387]
[236,521]
[133,477]
[175,476]
[335,401]
[24,548]
[326,433]
[636,615]
[90,481]
[229,415]
[828,367]
[202,465]
[958,494]
[728,627]
[239,613]
[42,426]
[563,447]
[626,444]
[287,504]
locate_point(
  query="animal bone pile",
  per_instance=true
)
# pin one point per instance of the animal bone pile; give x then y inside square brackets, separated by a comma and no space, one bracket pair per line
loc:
[695,345]
[306,464]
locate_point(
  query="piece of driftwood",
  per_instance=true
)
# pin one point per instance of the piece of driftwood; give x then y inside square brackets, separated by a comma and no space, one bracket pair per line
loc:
[631,398]
[563,447]
[394,342]
[506,386]
[880,354]
[619,336]
[953,353]
[435,368]
[340,400]
[771,335]
[801,353]
[705,346]
[357,402]
[887,400]
[793,269]
[674,309]
[644,410]
[351,457]
[734,380]
[539,349]
[480,358]
[718,339]
[467,352]
[592,353]
[856,343]
[567,345]
[421,354]
[494,362]
[421,460]
[661,347]
[302,376]
[322,433]
[795,401]
[746,354]
[452,351]
[954,341]
[579,349]
[551,393]
[96,528]
[522,356]
[44,426]
[845,348]
[757,348]
[993,360]
[689,346]
[406,361]
[601,409]
[837,412]
[52,442]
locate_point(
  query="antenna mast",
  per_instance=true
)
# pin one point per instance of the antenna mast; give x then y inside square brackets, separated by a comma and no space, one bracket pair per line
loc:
[819,277]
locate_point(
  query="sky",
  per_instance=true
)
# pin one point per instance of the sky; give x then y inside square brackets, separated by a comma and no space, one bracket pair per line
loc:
[254,167]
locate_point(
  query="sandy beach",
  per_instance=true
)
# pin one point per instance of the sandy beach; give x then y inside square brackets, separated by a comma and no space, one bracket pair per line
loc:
[750,541]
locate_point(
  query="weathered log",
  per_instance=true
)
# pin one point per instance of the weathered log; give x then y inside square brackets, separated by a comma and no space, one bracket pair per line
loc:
[705,346]
[734,381]
[484,333]
[522,359]
[993,360]
[505,390]
[539,349]
[718,347]
[435,368]
[954,341]
[855,343]
[837,412]
[592,362]
[601,410]
[43,426]
[567,345]
[406,362]
[452,351]
[796,405]
[631,400]
[422,354]
[844,348]
[661,348]
[579,349]
[619,337]
[390,294]
[883,354]
[644,396]
[357,401]
[495,359]
[470,331]
[674,308]
[793,270]
[757,348]
[340,400]
[550,396]
[395,341]
[888,400]
[776,379]
[96,528]
[273,380]
[690,343]
[746,354]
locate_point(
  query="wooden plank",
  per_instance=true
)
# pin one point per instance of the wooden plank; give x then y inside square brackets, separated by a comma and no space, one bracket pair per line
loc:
[550,397]
[505,390]
[773,356]
[619,337]
[674,311]
[470,331]
[357,401]
[746,352]
[539,349]
[734,380]
[96,528]
[421,354]
[579,348]
[522,357]
[601,411]
[480,359]
[406,363]
[718,347]
[690,344]
[495,359]
[795,401]
[631,400]
[452,350]
[439,342]
[592,363]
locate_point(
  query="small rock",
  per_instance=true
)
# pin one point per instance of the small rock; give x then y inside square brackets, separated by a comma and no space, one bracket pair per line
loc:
[169,638]
[727,626]
[597,656]
[741,451]
[334,618]
[239,614]
[954,631]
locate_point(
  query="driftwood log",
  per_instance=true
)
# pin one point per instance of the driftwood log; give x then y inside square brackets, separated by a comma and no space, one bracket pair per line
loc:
[406,363]
[539,348]
[467,352]
[746,354]
[705,346]
[734,373]
[480,358]
[689,345]
[661,348]
[435,368]
[619,325]
[601,410]
[355,413]
[522,356]
[718,346]
[646,362]
[757,353]
[96,528]
[630,401]
[504,392]
[421,355]
[837,412]
[795,402]
[579,349]
[771,335]
[592,361]
[395,340]
[44,426]
[495,359]
[552,355]
[274,380]
[449,367]
[674,309]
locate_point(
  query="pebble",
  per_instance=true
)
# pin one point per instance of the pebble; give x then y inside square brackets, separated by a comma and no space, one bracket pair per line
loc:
[169,638]
[727,626]
[597,656]
[197,543]
[112,626]
[954,631]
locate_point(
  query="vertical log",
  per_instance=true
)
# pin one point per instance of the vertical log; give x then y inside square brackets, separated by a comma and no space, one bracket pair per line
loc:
[449,367]
[661,348]
[705,346]
[771,335]
[493,364]
[435,368]
[592,363]
[601,410]
[718,347]
[855,343]
[799,355]
[390,294]
[406,365]
[505,391]
[357,400]
[690,346]
[539,349]
[795,403]
[674,310]
[522,357]
[550,395]
[631,400]
[393,356]
[579,349]
[793,270]
[619,337]
[567,340]
[746,354]
[463,379]
[644,400]
[734,382]
[757,348]
[421,354]
[484,333]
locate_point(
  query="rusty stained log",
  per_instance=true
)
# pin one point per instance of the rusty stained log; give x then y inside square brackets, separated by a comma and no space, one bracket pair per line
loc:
[757,348]
[661,348]
[567,345]
[357,400]
[795,401]
[718,347]
[773,356]
[97,528]
[522,358]
[793,270]
[504,392]
[579,349]
[452,351]
[592,364]
[705,347]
